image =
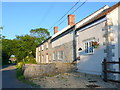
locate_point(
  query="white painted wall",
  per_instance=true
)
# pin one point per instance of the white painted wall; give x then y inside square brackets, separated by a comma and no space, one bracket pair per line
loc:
[37,54]
[69,37]
[91,63]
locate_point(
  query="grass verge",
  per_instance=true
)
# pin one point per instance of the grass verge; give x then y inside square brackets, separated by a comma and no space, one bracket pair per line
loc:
[20,77]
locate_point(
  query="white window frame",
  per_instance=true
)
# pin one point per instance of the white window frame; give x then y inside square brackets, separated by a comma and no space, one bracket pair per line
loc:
[89,49]
[42,46]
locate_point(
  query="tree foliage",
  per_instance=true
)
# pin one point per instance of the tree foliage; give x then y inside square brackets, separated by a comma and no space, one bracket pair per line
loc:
[24,46]
[41,34]
[7,46]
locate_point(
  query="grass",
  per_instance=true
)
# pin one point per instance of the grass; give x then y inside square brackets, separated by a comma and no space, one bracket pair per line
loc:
[20,77]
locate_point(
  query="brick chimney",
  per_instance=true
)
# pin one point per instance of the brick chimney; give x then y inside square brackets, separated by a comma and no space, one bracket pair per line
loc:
[55,30]
[71,20]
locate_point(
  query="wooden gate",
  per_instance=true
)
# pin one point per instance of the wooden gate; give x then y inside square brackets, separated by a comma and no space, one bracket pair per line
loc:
[105,71]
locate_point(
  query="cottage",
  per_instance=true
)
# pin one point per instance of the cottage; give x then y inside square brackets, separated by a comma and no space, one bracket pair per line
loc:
[98,39]
[62,42]
[89,42]
[43,52]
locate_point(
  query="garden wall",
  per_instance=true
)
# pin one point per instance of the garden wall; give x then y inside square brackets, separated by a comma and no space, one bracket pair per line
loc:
[40,70]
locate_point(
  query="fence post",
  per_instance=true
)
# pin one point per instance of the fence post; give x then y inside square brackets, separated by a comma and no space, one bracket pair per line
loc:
[105,70]
[119,69]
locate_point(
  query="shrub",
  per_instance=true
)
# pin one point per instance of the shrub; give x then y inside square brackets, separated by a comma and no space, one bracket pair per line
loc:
[30,60]
[19,65]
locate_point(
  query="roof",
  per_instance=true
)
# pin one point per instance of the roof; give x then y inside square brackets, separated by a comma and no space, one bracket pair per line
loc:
[104,11]
[44,41]
[68,27]
[61,31]
[102,14]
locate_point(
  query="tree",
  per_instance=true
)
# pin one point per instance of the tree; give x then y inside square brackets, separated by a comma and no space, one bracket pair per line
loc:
[41,34]
[25,47]
[7,46]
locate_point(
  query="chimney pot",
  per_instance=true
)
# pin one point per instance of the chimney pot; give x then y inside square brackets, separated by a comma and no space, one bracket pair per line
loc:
[71,20]
[55,30]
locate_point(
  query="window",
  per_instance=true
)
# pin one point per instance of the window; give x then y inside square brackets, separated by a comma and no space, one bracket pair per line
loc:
[46,45]
[60,55]
[88,47]
[39,48]
[54,56]
[42,47]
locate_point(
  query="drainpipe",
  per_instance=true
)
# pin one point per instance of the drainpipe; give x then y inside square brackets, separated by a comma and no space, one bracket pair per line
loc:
[74,43]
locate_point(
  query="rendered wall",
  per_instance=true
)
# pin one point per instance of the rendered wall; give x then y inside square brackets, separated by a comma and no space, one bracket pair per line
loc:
[65,44]
[91,63]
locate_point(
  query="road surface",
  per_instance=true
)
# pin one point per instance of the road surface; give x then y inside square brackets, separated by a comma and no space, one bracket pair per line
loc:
[9,79]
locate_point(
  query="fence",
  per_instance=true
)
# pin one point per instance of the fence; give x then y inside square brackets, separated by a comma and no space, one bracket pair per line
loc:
[105,71]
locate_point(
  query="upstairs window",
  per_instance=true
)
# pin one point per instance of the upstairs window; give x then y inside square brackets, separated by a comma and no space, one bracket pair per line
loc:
[46,45]
[42,47]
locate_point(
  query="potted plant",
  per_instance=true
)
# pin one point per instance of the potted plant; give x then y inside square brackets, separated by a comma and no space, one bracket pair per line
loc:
[95,44]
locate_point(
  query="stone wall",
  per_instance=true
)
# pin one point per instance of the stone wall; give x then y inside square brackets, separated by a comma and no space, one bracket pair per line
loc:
[40,70]
[67,49]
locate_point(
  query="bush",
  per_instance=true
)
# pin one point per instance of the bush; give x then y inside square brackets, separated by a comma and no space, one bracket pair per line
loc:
[30,60]
[19,65]
[19,72]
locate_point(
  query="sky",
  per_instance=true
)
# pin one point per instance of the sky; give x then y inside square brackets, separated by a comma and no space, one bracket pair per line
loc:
[18,18]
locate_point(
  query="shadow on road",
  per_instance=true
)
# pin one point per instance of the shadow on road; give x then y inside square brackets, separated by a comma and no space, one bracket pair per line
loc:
[9,79]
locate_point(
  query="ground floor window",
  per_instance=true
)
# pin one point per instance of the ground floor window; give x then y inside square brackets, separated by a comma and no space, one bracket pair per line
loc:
[60,55]
[53,55]
[88,47]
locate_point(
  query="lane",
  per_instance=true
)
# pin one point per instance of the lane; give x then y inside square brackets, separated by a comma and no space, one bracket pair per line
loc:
[9,79]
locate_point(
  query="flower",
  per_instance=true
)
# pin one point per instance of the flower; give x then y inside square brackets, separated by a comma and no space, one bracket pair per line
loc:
[95,44]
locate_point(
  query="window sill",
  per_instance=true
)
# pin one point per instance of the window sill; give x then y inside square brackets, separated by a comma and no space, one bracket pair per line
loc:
[57,60]
[89,54]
